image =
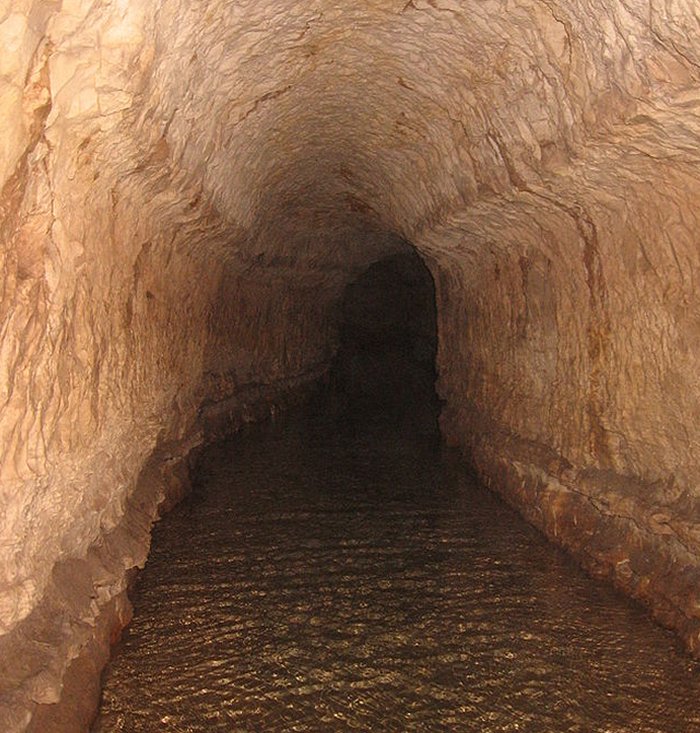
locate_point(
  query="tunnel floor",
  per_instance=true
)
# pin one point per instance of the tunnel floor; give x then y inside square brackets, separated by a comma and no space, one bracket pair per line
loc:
[323,577]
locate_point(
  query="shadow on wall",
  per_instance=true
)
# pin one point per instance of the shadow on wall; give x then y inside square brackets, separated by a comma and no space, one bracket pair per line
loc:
[385,364]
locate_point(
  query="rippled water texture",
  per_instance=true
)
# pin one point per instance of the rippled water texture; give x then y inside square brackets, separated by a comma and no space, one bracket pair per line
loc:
[324,579]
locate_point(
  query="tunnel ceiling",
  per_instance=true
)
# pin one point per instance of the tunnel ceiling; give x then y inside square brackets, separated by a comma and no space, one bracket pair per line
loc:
[310,123]
[316,131]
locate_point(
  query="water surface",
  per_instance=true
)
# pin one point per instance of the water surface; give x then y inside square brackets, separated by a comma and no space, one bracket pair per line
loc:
[333,578]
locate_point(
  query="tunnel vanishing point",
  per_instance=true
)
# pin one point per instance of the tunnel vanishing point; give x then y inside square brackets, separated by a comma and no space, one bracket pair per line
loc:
[187,189]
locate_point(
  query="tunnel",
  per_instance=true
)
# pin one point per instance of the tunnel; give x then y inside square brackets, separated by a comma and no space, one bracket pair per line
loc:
[201,204]
[384,366]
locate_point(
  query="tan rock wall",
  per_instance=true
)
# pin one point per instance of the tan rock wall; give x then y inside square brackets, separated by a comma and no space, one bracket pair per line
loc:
[579,397]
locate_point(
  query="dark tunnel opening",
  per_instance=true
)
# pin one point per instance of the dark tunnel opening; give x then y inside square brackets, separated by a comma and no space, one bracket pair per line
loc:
[385,364]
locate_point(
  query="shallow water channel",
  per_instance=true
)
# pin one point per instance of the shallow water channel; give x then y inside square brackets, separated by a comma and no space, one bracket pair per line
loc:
[327,577]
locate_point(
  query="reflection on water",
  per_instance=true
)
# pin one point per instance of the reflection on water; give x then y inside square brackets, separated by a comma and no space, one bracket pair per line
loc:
[323,579]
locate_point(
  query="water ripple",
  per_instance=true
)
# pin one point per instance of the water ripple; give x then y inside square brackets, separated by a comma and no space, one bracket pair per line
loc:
[321,581]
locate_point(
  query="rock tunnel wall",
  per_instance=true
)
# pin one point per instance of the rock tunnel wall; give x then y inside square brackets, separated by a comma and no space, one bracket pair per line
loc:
[579,397]
[186,189]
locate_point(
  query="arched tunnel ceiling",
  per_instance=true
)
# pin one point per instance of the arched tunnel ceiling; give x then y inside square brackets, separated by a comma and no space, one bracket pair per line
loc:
[394,108]
[308,124]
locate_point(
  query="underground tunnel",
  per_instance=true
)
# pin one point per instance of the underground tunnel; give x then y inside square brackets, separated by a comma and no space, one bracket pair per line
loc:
[476,214]
[384,365]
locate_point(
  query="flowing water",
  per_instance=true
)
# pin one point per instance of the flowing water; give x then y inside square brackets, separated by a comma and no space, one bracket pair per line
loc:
[326,578]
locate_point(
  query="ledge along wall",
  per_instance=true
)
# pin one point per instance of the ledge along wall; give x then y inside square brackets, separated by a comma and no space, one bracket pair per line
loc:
[187,189]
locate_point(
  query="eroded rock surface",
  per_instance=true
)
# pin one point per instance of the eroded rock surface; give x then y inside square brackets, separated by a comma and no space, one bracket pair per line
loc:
[186,190]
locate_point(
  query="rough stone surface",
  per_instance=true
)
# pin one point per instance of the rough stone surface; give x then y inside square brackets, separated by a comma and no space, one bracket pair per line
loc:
[186,189]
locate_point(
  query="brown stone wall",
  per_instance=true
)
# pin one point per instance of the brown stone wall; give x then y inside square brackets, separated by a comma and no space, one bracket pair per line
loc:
[567,364]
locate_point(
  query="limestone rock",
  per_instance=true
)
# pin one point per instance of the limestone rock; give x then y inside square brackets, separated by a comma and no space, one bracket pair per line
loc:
[186,189]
